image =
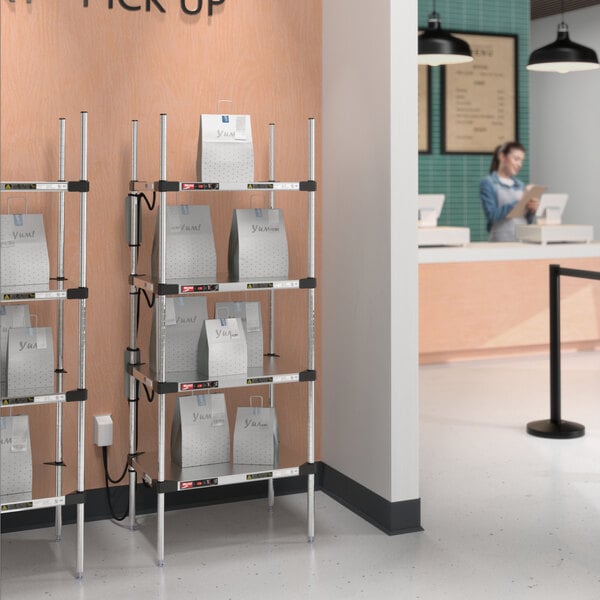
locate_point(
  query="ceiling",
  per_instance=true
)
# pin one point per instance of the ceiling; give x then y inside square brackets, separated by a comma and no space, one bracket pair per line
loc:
[545,8]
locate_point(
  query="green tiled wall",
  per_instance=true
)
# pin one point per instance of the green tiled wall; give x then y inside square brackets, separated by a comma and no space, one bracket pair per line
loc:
[458,175]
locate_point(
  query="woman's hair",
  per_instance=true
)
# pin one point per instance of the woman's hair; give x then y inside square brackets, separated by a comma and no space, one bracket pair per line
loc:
[505,149]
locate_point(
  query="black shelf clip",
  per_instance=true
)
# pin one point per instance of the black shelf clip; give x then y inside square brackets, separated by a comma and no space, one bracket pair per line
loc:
[308,469]
[308,186]
[166,186]
[78,186]
[308,375]
[79,395]
[308,283]
[167,289]
[79,293]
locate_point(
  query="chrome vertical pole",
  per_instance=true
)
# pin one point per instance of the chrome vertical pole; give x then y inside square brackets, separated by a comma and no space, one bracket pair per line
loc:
[160,317]
[272,205]
[60,274]
[82,343]
[311,331]
[132,351]
[271,487]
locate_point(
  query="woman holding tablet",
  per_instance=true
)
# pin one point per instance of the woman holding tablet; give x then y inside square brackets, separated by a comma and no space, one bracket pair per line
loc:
[500,192]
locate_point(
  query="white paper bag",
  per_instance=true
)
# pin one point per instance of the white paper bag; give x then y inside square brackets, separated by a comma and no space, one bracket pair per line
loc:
[184,319]
[190,246]
[200,430]
[225,151]
[258,246]
[24,263]
[15,458]
[222,349]
[11,316]
[250,314]
[30,362]
[256,437]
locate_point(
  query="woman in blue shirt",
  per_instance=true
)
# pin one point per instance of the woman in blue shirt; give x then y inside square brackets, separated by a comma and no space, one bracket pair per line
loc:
[500,191]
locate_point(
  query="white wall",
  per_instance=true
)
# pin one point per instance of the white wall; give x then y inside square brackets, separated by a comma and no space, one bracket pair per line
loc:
[565,121]
[369,282]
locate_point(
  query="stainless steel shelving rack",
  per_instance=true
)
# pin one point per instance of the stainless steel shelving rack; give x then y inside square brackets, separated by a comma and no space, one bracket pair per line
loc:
[155,470]
[60,293]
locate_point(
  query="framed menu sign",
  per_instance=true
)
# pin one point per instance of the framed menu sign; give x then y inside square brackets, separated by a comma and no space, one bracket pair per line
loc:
[424,109]
[479,99]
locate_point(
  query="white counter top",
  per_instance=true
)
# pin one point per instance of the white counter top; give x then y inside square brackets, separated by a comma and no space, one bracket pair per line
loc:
[492,251]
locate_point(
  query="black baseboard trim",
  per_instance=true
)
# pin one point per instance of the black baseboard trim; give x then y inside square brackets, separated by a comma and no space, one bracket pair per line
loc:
[97,508]
[392,518]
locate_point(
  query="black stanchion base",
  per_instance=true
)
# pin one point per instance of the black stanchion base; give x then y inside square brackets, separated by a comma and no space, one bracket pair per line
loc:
[562,430]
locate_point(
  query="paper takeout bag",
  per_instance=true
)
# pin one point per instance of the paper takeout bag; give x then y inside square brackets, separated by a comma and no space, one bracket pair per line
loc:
[190,245]
[15,458]
[222,349]
[250,315]
[256,437]
[225,151]
[30,362]
[200,430]
[24,262]
[258,246]
[11,316]
[184,319]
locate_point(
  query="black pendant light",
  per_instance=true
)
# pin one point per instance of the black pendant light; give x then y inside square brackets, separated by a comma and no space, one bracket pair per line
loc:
[563,55]
[438,47]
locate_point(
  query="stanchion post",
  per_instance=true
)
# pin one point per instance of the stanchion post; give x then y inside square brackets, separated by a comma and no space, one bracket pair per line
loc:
[555,427]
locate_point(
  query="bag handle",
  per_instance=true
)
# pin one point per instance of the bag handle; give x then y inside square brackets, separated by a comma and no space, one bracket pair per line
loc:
[8,200]
[222,313]
[261,401]
[230,102]
[261,197]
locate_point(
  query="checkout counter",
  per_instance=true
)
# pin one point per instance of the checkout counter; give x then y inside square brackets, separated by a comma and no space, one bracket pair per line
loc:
[483,300]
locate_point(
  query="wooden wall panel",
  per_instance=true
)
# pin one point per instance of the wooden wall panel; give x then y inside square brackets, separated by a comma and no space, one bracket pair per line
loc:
[58,58]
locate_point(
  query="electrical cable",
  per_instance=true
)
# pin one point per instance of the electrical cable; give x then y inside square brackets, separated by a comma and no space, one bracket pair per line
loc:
[151,206]
[145,198]
[148,301]
[105,460]
[149,397]
[107,479]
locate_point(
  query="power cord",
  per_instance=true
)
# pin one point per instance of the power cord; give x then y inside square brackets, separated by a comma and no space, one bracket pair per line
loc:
[107,479]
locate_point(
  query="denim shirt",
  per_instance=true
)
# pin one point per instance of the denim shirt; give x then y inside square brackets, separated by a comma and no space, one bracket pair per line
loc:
[498,199]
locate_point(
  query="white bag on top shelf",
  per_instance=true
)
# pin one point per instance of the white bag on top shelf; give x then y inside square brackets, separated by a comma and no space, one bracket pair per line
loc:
[24,262]
[249,313]
[16,471]
[200,430]
[190,245]
[258,246]
[183,325]
[11,316]
[222,349]
[225,151]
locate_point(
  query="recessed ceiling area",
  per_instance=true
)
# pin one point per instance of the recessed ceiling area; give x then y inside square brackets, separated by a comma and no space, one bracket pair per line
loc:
[545,8]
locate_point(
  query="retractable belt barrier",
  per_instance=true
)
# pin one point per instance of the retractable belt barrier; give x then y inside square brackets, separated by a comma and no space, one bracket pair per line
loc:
[556,427]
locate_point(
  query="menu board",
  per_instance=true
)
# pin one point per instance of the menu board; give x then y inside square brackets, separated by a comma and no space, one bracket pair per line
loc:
[424,109]
[479,98]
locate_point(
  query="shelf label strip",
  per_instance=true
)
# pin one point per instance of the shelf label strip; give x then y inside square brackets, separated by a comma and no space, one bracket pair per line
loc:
[33,399]
[31,504]
[197,483]
[34,186]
